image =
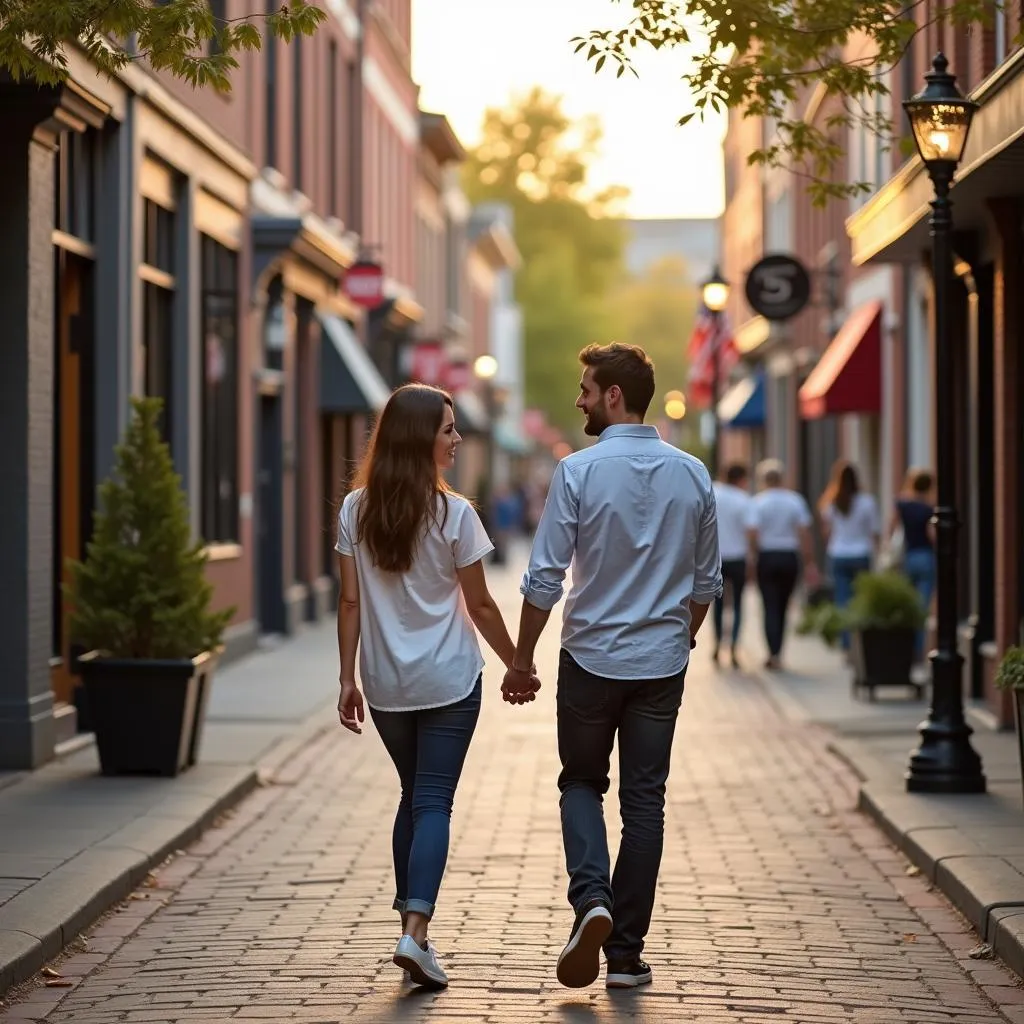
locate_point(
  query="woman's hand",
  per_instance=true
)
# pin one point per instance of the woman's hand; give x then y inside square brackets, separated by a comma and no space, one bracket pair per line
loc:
[350,706]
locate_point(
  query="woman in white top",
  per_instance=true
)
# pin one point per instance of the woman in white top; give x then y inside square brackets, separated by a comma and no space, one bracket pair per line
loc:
[851,526]
[779,530]
[412,586]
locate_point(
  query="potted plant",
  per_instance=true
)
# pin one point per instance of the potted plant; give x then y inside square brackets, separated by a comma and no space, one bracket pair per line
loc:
[883,618]
[1010,676]
[140,606]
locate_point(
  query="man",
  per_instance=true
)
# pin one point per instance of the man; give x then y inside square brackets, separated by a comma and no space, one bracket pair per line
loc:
[733,502]
[638,517]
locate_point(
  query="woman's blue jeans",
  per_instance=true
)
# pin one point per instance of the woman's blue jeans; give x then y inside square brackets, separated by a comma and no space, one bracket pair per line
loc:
[428,749]
[844,572]
[919,568]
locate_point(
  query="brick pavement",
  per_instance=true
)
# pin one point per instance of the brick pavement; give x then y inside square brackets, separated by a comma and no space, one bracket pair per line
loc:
[778,901]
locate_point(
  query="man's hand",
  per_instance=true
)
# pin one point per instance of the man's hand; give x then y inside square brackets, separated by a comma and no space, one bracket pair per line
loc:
[519,686]
[350,706]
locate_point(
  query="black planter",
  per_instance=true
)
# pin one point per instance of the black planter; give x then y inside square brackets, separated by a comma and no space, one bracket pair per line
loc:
[1018,718]
[147,714]
[882,657]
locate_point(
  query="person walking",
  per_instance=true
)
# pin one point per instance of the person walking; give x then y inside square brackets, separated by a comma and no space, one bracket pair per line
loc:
[733,501]
[779,533]
[636,518]
[851,527]
[408,548]
[913,514]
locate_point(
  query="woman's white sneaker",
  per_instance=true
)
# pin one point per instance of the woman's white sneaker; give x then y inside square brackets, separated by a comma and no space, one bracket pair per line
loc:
[420,962]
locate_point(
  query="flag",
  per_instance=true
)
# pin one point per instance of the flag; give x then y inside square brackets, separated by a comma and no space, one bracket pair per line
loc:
[705,344]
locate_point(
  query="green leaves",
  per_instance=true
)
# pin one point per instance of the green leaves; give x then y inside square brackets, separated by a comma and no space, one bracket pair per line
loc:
[141,591]
[180,37]
[767,58]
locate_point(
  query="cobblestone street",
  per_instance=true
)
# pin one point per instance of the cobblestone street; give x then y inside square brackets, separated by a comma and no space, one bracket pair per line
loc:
[778,902]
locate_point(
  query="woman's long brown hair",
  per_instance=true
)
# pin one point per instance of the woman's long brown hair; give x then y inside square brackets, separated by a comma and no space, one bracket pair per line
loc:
[842,488]
[400,477]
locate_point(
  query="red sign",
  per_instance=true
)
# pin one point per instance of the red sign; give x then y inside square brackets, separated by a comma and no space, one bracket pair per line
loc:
[457,376]
[428,362]
[364,284]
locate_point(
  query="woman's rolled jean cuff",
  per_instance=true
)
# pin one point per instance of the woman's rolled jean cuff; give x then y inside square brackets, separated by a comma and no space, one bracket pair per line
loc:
[398,905]
[418,907]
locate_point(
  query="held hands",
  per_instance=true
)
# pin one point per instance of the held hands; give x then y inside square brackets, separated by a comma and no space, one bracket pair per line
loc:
[519,686]
[350,706]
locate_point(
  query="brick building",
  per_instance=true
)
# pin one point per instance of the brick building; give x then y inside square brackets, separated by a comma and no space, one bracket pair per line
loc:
[852,375]
[194,246]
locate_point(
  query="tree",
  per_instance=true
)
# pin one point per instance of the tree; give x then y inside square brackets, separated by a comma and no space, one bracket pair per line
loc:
[656,312]
[761,57]
[181,37]
[141,591]
[533,157]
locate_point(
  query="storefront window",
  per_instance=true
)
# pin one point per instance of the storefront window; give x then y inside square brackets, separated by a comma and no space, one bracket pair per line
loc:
[157,273]
[220,393]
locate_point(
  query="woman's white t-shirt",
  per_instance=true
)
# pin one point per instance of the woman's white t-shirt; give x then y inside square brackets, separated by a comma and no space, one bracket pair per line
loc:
[778,515]
[853,535]
[417,646]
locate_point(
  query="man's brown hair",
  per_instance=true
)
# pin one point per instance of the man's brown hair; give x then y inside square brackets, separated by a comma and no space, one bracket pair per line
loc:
[626,366]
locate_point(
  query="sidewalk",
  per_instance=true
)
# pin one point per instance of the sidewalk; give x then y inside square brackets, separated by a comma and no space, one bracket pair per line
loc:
[73,843]
[970,847]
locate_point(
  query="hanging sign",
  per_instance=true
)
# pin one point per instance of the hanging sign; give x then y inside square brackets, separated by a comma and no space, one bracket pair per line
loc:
[364,284]
[778,286]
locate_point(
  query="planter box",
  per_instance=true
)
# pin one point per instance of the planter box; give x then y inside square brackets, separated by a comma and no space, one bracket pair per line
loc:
[1018,718]
[882,657]
[147,715]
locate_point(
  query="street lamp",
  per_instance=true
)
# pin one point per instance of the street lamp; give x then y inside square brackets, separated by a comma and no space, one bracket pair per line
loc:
[715,293]
[944,761]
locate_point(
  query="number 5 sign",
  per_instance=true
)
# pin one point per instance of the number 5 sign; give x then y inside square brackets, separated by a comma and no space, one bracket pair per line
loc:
[778,287]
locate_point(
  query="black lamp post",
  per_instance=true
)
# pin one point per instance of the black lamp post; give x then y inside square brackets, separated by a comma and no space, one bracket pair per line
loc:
[945,761]
[715,293]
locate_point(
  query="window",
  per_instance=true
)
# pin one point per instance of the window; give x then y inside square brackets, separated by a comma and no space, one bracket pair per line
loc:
[219,313]
[75,185]
[270,98]
[333,109]
[298,128]
[157,273]
[219,10]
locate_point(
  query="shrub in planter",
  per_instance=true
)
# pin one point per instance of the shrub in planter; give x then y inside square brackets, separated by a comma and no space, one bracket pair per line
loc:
[1010,676]
[140,606]
[883,617]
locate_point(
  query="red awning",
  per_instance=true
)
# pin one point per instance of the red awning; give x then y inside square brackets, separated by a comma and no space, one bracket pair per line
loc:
[848,377]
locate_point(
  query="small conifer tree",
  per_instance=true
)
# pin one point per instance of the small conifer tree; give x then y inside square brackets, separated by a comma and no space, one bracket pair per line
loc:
[141,591]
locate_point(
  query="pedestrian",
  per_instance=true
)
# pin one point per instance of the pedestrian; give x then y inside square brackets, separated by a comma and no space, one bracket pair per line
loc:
[408,547]
[733,501]
[636,518]
[779,532]
[913,515]
[851,527]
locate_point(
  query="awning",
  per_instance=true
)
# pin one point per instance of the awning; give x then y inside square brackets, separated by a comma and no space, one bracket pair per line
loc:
[349,382]
[848,378]
[471,417]
[742,406]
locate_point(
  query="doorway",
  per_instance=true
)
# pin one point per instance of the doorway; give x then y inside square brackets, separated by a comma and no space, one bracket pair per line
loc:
[73,449]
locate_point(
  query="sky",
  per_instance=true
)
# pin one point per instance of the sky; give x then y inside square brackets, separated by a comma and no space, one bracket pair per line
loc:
[469,55]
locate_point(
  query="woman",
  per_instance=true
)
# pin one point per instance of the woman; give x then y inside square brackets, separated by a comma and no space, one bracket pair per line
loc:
[408,547]
[779,532]
[914,511]
[851,527]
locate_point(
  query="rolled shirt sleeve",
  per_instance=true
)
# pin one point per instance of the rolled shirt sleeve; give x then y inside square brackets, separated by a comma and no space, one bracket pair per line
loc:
[554,543]
[707,571]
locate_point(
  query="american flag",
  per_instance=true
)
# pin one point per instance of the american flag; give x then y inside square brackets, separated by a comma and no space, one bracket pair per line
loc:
[705,341]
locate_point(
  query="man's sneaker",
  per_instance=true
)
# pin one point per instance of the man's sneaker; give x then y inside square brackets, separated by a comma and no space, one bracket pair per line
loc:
[580,961]
[420,962]
[627,973]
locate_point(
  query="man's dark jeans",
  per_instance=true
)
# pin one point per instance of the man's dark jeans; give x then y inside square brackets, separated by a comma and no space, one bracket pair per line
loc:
[591,710]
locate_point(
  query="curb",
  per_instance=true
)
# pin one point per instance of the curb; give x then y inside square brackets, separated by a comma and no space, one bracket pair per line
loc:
[978,886]
[37,924]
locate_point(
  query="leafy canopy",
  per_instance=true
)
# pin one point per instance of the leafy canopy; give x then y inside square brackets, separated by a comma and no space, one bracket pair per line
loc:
[142,591]
[535,158]
[180,37]
[764,58]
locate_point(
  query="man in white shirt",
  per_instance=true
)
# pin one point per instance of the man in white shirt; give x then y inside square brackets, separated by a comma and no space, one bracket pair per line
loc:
[733,501]
[636,517]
